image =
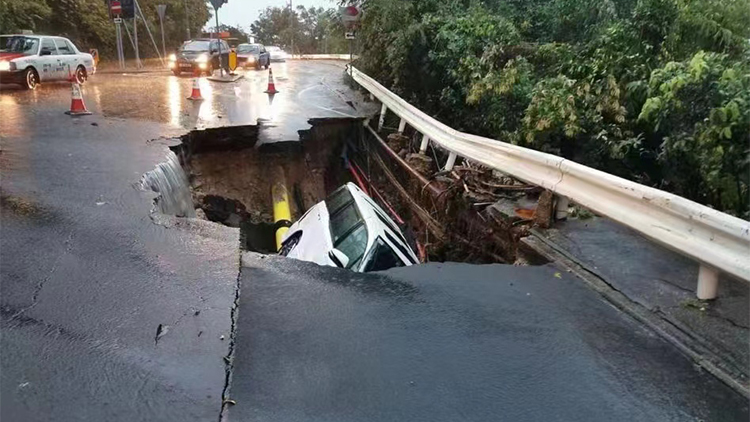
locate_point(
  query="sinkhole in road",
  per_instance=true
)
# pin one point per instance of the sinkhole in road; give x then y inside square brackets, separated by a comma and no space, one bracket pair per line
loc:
[225,175]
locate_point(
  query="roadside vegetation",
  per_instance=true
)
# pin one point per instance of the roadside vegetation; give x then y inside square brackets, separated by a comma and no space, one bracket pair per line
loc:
[657,91]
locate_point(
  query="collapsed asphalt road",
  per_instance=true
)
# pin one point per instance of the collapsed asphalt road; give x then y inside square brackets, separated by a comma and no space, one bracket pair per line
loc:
[107,314]
[111,314]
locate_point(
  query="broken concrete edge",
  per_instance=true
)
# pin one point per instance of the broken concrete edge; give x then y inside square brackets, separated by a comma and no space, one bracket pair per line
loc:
[686,343]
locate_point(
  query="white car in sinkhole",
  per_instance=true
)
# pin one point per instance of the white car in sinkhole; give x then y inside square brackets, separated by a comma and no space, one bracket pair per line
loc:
[348,230]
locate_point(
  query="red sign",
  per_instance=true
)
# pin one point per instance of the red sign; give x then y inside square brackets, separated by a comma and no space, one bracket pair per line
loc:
[115,7]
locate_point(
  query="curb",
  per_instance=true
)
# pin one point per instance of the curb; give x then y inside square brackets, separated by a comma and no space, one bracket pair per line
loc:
[113,71]
[698,352]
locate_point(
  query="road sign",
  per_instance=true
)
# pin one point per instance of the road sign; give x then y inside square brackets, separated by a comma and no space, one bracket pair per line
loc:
[118,20]
[115,7]
[350,16]
[217,3]
[350,35]
[161,9]
[232,60]
[128,8]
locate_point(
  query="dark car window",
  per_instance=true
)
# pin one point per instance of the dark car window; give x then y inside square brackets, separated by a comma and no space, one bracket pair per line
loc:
[353,245]
[48,45]
[195,46]
[383,257]
[16,44]
[338,199]
[63,47]
[343,221]
[247,48]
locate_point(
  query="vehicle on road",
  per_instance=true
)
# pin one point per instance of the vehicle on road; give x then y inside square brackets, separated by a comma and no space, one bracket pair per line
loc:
[200,55]
[348,230]
[253,55]
[28,60]
[277,54]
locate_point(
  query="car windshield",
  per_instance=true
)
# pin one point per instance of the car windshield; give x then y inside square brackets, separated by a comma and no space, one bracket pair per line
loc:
[19,44]
[195,46]
[248,48]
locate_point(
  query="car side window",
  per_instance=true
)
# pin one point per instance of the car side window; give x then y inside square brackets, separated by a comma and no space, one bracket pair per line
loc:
[48,45]
[214,46]
[382,257]
[63,48]
[70,46]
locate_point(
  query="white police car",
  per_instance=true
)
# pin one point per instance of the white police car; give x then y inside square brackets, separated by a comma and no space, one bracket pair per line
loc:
[28,60]
[348,230]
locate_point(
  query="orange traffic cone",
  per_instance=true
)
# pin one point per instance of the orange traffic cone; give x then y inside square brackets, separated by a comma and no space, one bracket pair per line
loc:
[271,86]
[196,94]
[77,107]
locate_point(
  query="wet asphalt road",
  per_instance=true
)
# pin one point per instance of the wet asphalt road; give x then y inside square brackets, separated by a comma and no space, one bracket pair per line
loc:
[453,342]
[87,276]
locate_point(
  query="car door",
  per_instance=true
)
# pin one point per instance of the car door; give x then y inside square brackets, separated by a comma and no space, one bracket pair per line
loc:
[48,68]
[67,58]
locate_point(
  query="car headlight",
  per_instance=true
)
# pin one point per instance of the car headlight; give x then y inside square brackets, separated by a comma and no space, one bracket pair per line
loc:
[202,66]
[172,58]
[201,59]
[4,65]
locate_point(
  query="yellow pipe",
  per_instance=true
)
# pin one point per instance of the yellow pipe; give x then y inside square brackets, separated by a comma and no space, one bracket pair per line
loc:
[282,215]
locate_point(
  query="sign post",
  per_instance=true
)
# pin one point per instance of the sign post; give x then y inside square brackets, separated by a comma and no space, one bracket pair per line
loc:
[115,9]
[161,10]
[217,4]
[350,16]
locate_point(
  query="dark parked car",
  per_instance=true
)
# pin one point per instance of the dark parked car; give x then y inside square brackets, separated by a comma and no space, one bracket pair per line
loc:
[200,55]
[253,55]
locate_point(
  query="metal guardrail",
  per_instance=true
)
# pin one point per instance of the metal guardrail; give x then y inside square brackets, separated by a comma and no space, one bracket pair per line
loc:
[320,57]
[718,241]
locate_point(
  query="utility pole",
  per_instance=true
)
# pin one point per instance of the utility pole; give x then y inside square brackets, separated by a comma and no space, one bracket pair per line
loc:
[161,9]
[291,23]
[135,35]
[187,20]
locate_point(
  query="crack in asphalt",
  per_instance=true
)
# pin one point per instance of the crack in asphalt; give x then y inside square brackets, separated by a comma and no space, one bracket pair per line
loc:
[229,358]
[43,281]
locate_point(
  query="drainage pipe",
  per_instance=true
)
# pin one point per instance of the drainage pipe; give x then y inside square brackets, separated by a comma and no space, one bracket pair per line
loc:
[282,215]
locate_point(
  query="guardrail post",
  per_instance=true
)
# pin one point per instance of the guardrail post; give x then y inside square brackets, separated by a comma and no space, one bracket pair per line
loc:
[401,126]
[425,143]
[383,110]
[372,97]
[561,208]
[451,161]
[708,282]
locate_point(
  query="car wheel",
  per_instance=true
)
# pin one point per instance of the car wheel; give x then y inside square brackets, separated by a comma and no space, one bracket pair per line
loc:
[31,79]
[81,74]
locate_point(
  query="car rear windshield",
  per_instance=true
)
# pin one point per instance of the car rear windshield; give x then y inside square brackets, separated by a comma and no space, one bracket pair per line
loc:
[195,46]
[18,44]
[348,230]
[248,48]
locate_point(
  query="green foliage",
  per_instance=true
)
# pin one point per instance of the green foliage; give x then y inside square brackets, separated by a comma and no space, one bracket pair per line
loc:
[302,31]
[88,25]
[701,109]
[653,90]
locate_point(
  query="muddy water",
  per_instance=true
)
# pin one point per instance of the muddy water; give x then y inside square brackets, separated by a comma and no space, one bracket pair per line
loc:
[169,180]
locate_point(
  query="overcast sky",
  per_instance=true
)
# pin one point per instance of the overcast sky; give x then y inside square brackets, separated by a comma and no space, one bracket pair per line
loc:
[244,12]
